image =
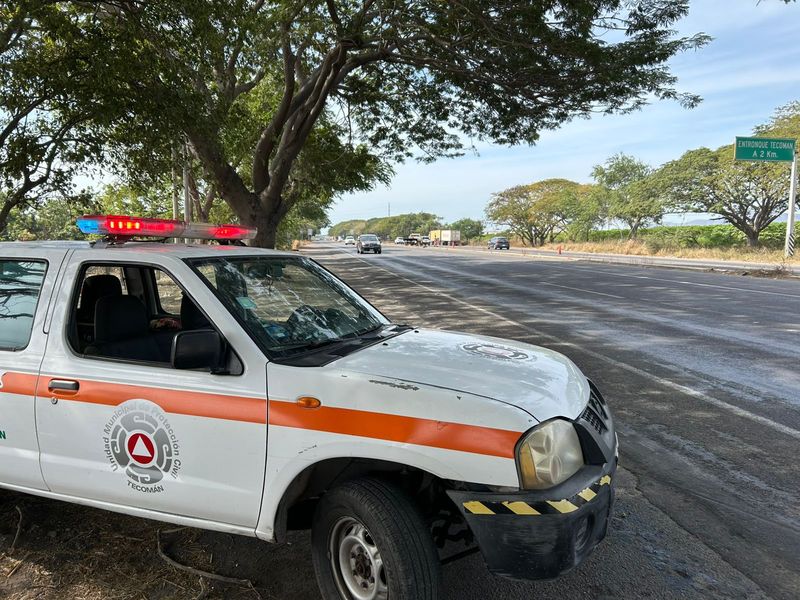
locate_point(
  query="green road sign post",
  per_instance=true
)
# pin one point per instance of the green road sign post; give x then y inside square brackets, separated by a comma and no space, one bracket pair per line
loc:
[763,149]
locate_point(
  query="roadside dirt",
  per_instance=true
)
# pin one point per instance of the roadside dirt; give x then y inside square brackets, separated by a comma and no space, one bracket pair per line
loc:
[69,551]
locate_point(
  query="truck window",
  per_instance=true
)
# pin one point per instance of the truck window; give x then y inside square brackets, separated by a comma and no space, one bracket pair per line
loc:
[119,313]
[20,286]
[168,292]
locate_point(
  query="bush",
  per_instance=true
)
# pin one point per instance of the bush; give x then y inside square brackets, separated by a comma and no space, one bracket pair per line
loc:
[692,236]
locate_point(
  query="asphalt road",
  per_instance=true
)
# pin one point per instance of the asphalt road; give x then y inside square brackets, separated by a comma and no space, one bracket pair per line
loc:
[703,373]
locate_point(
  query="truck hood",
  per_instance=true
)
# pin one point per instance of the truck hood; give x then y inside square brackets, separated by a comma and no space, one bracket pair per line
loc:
[541,382]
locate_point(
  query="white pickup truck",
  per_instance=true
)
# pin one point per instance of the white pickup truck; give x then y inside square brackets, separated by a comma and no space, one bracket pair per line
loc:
[251,391]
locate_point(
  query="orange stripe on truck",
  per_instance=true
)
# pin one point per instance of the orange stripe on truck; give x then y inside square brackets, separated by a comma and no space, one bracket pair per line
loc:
[181,402]
[396,428]
[381,426]
[18,383]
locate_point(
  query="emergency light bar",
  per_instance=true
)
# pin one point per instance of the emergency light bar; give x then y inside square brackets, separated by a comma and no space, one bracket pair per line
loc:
[118,225]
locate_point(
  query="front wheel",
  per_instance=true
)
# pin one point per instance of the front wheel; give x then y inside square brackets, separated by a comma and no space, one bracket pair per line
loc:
[369,542]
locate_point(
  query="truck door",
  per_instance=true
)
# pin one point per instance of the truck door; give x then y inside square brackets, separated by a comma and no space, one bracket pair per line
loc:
[26,286]
[117,424]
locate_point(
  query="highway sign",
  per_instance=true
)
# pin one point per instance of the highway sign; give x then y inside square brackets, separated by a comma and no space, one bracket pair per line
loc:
[764,149]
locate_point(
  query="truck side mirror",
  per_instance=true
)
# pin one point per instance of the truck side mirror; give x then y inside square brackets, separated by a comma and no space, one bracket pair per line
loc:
[197,349]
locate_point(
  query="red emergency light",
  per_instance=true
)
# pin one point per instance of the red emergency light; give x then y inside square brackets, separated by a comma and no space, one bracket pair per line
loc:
[119,225]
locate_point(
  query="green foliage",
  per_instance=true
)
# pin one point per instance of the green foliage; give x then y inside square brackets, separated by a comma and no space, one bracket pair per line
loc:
[52,219]
[389,227]
[785,122]
[748,195]
[627,193]
[260,90]
[470,228]
[45,131]
[140,202]
[694,236]
[538,212]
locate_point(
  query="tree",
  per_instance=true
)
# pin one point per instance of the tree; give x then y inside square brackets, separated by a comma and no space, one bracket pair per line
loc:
[43,135]
[747,195]
[389,227]
[629,194]
[584,206]
[535,213]
[469,228]
[785,122]
[401,77]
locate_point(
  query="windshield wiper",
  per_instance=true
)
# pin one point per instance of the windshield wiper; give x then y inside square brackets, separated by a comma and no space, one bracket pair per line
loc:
[367,335]
[317,344]
[395,328]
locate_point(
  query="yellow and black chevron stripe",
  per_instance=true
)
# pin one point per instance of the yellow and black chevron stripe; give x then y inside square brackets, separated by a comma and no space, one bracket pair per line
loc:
[544,507]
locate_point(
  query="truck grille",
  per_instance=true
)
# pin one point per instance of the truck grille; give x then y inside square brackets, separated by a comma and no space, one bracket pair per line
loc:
[595,413]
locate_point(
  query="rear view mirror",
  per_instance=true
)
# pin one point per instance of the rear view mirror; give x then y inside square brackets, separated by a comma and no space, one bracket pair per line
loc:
[198,349]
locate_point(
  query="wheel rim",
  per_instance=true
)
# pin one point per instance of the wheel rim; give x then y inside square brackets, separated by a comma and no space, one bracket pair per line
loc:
[356,562]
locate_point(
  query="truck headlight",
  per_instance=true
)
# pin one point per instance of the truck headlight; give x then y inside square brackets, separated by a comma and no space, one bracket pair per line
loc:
[549,454]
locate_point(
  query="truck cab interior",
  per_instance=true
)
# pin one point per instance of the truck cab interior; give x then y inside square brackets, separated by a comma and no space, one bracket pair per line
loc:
[131,312]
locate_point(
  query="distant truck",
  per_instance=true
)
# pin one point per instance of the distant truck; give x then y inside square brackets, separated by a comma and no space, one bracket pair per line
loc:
[446,237]
[417,239]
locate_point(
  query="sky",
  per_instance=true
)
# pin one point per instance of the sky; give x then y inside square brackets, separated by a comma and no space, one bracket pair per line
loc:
[751,67]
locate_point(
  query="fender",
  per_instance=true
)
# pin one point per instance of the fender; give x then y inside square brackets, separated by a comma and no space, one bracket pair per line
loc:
[364,417]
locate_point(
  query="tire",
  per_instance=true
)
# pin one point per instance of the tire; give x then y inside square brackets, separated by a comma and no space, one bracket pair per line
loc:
[381,529]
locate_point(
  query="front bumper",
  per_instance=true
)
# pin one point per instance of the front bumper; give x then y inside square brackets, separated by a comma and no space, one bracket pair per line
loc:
[535,534]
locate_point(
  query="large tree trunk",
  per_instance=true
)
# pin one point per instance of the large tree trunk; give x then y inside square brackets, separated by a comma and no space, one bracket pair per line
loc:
[634,229]
[267,236]
[752,238]
[5,211]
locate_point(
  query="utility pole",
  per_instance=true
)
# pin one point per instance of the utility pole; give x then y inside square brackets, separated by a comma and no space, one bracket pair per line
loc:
[788,250]
[388,209]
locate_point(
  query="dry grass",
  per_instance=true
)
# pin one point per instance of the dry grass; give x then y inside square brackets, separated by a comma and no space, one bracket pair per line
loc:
[68,551]
[639,248]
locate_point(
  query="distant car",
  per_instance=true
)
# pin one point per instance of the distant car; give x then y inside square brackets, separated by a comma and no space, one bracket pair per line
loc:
[425,241]
[368,243]
[400,241]
[349,241]
[499,243]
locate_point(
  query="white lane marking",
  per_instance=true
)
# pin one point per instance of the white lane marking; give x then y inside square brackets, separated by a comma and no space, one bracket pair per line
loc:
[736,410]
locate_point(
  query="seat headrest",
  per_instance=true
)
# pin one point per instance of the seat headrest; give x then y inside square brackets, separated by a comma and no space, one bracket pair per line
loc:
[191,317]
[119,318]
[94,288]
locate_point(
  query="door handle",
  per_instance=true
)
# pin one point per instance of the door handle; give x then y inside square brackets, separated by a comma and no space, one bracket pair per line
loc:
[63,385]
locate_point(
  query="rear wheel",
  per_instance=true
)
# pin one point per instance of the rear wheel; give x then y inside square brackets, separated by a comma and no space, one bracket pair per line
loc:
[369,542]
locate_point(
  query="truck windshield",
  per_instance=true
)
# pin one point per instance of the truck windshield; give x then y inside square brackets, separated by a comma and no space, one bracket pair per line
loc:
[288,305]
